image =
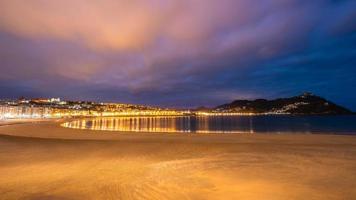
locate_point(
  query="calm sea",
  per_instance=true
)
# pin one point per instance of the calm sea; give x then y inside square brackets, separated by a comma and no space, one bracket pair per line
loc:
[223,124]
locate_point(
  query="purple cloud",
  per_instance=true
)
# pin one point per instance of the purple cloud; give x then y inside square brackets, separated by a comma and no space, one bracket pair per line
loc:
[159,52]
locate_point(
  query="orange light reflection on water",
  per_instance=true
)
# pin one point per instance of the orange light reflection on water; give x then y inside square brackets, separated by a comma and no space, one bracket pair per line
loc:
[128,124]
[157,124]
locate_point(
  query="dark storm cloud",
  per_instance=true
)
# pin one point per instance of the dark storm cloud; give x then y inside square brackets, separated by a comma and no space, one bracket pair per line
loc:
[178,53]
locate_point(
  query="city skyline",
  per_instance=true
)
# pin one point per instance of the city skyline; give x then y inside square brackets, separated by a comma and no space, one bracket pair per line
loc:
[178,53]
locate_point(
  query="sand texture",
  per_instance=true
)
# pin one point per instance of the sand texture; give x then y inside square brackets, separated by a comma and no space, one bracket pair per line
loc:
[42,160]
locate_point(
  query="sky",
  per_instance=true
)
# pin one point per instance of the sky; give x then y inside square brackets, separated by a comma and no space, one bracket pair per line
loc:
[178,53]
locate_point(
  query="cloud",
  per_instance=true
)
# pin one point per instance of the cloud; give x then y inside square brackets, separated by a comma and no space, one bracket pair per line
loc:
[154,51]
[104,24]
[138,24]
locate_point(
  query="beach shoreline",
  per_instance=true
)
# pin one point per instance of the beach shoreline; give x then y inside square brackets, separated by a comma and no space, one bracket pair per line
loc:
[42,160]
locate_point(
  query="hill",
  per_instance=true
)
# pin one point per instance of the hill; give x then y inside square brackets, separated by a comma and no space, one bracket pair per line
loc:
[306,103]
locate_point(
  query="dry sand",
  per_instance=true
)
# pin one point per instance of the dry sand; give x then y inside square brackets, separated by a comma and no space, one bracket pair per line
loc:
[45,161]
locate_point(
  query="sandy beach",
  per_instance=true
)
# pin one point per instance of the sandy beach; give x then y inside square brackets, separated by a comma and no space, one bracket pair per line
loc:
[42,160]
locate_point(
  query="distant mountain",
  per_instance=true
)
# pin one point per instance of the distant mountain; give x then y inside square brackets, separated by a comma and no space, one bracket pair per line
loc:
[307,103]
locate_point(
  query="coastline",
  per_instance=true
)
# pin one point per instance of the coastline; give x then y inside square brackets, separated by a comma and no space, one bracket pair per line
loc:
[40,128]
[43,160]
[6,122]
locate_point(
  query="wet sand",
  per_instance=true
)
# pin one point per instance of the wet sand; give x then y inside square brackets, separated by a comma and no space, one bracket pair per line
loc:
[42,160]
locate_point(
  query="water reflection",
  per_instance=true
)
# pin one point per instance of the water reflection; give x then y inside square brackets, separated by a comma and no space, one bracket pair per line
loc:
[181,124]
[221,124]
